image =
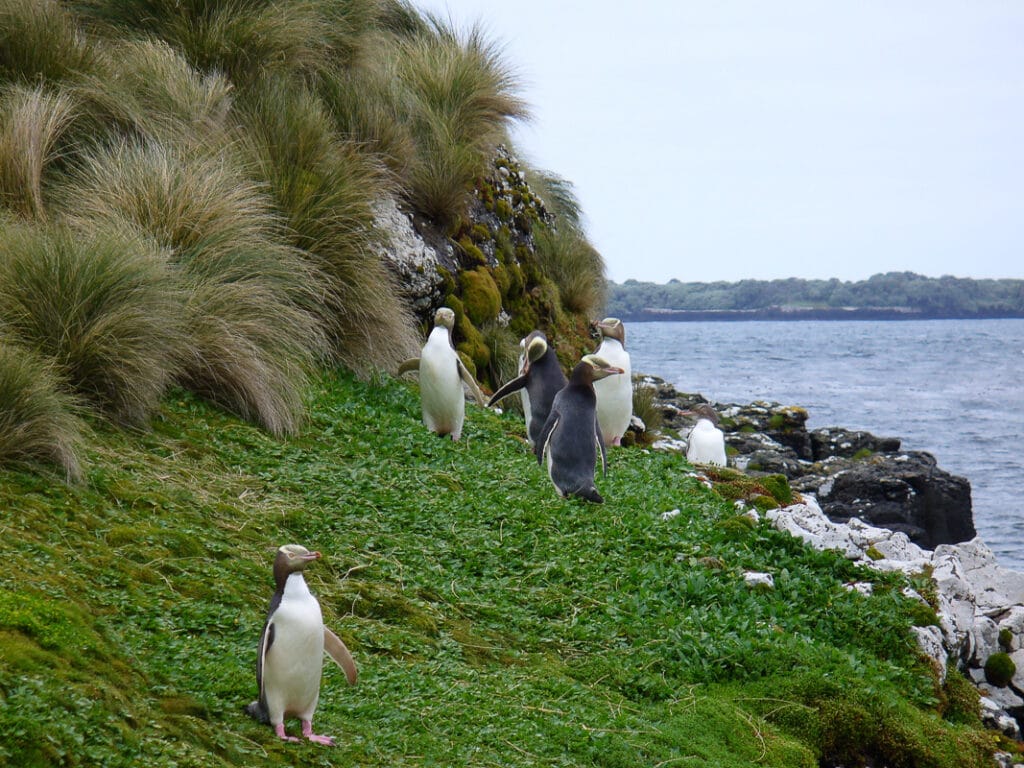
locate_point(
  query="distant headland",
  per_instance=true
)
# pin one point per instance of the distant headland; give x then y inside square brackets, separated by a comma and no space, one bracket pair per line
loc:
[889,296]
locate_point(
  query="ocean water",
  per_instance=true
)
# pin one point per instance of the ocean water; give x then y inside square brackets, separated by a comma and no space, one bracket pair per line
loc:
[954,388]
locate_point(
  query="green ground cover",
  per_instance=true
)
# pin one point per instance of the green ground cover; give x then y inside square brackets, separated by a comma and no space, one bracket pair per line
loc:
[493,623]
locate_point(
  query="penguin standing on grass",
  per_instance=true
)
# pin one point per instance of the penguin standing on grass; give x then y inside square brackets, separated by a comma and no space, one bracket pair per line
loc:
[442,374]
[540,379]
[614,393]
[571,437]
[289,662]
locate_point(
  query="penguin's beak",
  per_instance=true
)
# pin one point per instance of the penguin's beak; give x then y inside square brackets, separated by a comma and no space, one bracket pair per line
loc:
[606,370]
[311,556]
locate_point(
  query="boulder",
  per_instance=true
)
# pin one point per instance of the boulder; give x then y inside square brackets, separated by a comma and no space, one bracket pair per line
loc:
[844,443]
[904,492]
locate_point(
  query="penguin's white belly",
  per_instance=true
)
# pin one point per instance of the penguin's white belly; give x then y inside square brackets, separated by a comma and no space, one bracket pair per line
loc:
[294,662]
[441,395]
[524,396]
[706,444]
[614,393]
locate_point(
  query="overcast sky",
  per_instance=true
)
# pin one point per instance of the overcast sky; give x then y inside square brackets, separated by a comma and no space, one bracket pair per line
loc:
[721,140]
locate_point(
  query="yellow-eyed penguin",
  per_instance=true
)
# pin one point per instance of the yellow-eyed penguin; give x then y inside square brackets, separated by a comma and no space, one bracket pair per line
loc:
[442,373]
[571,437]
[706,443]
[614,393]
[540,380]
[290,659]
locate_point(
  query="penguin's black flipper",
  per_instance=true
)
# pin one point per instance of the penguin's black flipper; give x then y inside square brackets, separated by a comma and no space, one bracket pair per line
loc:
[540,447]
[258,709]
[338,651]
[511,386]
[600,445]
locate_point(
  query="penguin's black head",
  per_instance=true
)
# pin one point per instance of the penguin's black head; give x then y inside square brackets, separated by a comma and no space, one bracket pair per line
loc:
[292,558]
[536,346]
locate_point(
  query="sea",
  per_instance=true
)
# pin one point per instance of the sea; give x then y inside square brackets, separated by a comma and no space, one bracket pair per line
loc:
[954,388]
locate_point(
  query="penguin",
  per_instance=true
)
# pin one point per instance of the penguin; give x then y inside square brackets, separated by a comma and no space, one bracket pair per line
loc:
[706,443]
[614,393]
[571,436]
[541,379]
[441,375]
[289,661]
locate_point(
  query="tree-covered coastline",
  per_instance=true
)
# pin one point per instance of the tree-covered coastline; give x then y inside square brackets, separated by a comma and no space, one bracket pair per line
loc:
[893,295]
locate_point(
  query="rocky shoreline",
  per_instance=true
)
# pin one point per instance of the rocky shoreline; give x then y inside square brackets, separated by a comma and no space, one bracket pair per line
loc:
[852,474]
[889,510]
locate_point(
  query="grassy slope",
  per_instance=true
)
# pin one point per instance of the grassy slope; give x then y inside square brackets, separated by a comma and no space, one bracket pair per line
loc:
[494,623]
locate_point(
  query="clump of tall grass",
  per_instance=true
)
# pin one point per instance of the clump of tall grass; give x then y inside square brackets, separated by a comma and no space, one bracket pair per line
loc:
[434,102]
[323,187]
[147,88]
[246,40]
[464,96]
[503,348]
[41,40]
[38,419]
[367,104]
[645,406]
[101,305]
[251,340]
[32,121]
[574,265]
[563,250]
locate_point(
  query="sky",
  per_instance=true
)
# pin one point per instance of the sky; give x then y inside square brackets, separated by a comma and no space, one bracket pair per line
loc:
[725,140]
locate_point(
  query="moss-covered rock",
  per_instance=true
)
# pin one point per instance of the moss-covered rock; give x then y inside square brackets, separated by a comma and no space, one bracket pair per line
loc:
[999,669]
[480,295]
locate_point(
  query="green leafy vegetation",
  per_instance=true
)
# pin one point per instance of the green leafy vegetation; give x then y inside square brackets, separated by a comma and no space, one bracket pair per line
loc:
[493,623]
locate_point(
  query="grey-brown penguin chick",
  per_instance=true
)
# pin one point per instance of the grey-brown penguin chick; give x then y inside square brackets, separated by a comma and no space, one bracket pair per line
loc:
[289,662]
[571,437]
[541,378]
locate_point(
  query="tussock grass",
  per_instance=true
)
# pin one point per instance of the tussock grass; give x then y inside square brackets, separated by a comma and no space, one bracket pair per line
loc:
[645,406]
[245,39]
[565,254]
[147,88]
[32,122]
[574,265]
[367,104]
[503,356]
[459,99]
[101,305]
[324,187]
[40,39]
[250,340]
[38,419]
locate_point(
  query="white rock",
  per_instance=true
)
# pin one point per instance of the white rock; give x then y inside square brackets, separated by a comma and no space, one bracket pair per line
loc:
[1013,620]
[670,514]
[865,588]
[929,640]
[757,579]
[984,640]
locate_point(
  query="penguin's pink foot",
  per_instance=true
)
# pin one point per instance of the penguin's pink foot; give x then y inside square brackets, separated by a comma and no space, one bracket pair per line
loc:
[307,731]
[279,730]
[617,440]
